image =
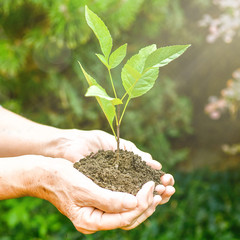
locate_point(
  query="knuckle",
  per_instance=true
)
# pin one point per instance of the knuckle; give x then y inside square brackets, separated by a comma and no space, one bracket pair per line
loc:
[126,222]
[84,224]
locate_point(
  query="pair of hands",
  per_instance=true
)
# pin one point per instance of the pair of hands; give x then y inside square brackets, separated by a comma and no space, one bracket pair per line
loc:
[90,207]
[37,160]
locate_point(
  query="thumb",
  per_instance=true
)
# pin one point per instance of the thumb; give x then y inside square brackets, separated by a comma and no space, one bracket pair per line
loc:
[114,202]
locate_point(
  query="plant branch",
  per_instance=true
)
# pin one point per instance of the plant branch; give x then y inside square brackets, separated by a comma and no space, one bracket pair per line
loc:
[124,110]
[127,92]
[110,75]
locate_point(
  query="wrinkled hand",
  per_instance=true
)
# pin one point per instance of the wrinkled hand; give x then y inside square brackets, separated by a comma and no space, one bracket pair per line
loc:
[90,207]
[79,144]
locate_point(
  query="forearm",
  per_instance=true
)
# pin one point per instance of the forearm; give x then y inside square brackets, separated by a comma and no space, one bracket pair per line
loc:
[31,175]
[17,176]
[20,136]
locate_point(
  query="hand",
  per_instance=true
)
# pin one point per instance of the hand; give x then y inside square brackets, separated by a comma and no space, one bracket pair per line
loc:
[90,207]
[78,144]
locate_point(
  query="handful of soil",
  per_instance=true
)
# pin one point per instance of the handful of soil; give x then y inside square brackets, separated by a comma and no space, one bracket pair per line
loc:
[128,176]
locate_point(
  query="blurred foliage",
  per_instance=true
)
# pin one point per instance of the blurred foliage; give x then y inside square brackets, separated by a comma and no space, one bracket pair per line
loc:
[40,43]
[205,206]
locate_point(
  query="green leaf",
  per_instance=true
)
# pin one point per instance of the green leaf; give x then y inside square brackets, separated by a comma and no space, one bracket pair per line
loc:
[145,83]
[133,78]
[132,71]
[165,55]
[142,84]
[91,81]
[117,56]
[102,59]
[146,51]
[106,105]
[97,91]
[100,30]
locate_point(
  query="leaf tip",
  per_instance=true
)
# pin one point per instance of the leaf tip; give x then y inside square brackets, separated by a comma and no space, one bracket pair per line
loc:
[86,10]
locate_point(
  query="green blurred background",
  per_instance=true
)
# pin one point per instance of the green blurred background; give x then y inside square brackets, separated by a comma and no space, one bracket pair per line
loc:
[40,44]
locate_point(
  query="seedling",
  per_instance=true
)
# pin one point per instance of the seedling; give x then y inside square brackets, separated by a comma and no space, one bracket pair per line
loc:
[138,75]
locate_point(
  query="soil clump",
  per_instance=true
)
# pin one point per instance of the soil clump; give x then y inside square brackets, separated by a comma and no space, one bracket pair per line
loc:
[128,176]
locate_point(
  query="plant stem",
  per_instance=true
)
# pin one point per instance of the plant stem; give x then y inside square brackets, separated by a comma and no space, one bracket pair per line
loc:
[118,134]
[124,96]
[120,120]
[117,119]
[129,90]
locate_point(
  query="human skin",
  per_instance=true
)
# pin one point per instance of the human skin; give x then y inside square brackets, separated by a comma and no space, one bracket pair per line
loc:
[36,160]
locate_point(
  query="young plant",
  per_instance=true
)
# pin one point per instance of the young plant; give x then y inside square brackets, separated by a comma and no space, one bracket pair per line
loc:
[138,75]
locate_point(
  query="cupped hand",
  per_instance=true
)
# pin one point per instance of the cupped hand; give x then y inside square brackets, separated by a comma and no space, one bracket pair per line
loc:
[90,207]
[78,144]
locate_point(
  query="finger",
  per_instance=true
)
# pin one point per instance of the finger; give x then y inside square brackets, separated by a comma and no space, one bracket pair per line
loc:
[160,189]
[167,179]
[110,201]
[154,164]
[145,199]
[170,190]
[156,201]
[90,219]
[127,145]
[83,220]
[100,198]
[144,155]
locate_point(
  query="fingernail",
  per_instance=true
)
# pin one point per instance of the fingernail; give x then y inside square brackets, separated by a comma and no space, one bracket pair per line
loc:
[130,201]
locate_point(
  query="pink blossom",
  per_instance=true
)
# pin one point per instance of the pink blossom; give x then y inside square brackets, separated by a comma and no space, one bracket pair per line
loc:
[236,74]
[227,25]
[215,115]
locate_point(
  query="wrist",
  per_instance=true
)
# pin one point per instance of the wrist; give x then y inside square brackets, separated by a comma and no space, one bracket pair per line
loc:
[21,136]
[19,176]
[57,142]
[70,144]
[44,178]
[32,175]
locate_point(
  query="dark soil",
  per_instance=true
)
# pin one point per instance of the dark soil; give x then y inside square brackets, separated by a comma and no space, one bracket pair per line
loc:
[129,176]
